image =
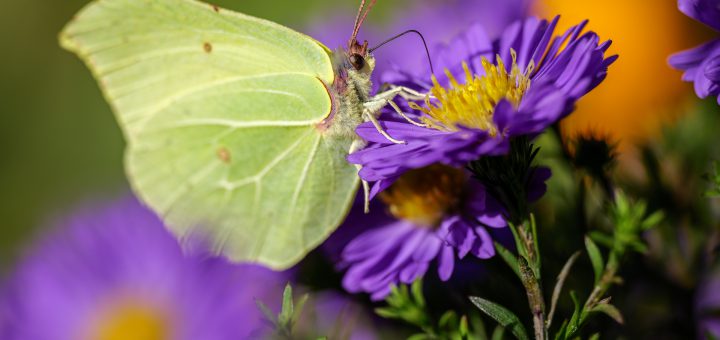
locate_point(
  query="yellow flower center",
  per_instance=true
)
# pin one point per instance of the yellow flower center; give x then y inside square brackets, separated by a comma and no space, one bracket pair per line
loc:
[131,320]
[423,196]
[472,104]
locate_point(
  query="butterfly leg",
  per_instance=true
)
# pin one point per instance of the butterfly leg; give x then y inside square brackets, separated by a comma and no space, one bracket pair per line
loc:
[387,98]
[356,145]
[404,92]
[410,94]
[370,116]
[404,115]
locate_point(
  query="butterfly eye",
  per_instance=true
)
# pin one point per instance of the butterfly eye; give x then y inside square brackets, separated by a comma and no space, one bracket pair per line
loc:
[357,61]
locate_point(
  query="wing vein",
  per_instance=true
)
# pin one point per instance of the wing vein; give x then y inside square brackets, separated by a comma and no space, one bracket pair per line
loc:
[296,194]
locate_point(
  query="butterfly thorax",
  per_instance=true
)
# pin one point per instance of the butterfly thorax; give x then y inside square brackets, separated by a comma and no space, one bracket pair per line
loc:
[349,90]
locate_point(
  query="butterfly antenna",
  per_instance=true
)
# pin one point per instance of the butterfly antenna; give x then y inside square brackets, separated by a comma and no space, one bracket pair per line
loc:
[360,18]
[427,51]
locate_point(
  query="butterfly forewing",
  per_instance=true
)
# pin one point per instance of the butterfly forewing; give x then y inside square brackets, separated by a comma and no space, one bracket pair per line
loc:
[220,110]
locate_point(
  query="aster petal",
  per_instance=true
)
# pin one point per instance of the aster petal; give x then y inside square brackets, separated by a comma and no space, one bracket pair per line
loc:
[446,263]
[382,261]
[578,68]
[485,208]
[690,60]
[470,46]
[413,271]
[428,249]
[483,248]
[405,250]
[712,69]
[558,42]
[381,293]
[705,11]
[529,38]
[384,160]
[542,106]
[459,235]
[536,187]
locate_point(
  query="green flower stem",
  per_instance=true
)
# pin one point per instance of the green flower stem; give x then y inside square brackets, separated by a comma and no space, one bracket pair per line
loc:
[535,298]
[529,270]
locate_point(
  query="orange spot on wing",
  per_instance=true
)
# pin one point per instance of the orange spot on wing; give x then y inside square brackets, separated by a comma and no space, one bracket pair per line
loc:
[207,47]
[215,8]
[224,155]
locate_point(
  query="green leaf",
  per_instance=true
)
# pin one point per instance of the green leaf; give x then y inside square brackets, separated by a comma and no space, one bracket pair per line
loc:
[267,313]
[449,318]
[601,238]
[498,333]
[387,313]
[287,311]
[533,228]
[595,258]
[518,241]
[652,220]
[299,305]
[464,327]
[576,318]
[509,258]
[559,285]
[417,293]
[502,315]
[610,311]
[560,335]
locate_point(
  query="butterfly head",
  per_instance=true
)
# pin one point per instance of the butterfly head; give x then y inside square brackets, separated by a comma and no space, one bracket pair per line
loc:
[358,58]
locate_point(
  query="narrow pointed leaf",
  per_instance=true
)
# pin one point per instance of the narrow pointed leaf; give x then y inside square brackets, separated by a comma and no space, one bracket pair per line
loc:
[299,307]
[610,311]
[559,285]
[287,311]
[267,313]
[498,333]
[508,257]
[595,258]
[502,315]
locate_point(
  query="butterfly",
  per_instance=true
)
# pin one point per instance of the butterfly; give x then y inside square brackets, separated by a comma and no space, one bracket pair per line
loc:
[237,128]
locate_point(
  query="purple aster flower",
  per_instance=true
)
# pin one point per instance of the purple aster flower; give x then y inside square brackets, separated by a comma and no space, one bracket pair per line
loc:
[114,272]
[431,216]
[701,64]
[518,84]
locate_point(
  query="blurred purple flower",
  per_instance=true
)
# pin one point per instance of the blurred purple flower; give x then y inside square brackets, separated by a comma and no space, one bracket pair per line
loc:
[335,316]
[437,20]
[430,216]
[114,272]
[519,84]
[701,64]
[707,306]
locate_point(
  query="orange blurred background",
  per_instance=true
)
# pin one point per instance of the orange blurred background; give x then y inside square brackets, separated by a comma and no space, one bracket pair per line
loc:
[641,92]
